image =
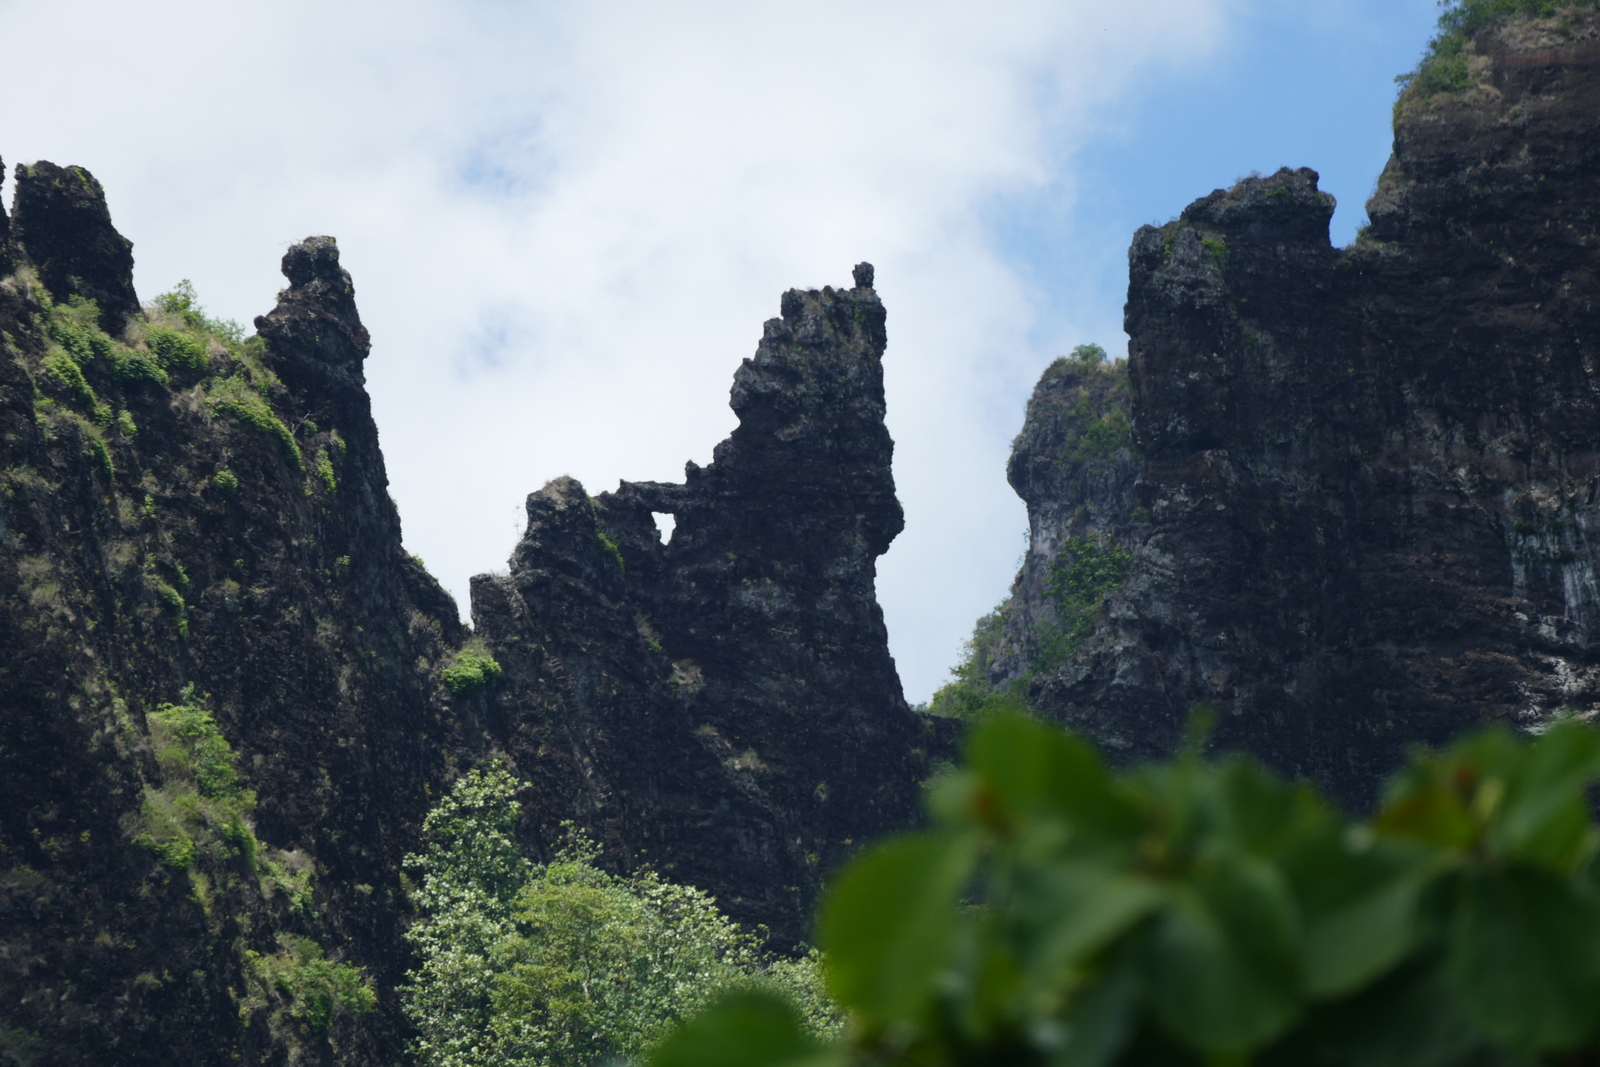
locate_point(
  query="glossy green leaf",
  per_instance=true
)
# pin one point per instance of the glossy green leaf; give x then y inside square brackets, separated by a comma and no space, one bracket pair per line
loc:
[1525,958]
[745,1030]
[1222,969]
[888,922]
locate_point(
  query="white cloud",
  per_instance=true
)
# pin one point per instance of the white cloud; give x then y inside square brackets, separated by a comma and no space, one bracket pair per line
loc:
[566,223]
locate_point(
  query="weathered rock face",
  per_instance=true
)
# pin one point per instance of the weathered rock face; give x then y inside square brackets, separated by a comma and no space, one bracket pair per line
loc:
[724,704]
[1369,474]
[62,223]
[1074,465]
[278,596]
[188,518]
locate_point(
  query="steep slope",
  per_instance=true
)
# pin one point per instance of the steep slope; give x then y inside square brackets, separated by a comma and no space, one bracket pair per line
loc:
[228,695]
[725,703]
[190,519]
[1363,513]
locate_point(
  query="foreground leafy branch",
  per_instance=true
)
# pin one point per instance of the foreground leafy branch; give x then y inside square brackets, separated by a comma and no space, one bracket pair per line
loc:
[1194,912]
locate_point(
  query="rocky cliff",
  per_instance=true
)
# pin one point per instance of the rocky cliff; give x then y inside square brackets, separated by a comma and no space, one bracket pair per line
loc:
[229,694]
[725,703]
[191,520]
[1357,507]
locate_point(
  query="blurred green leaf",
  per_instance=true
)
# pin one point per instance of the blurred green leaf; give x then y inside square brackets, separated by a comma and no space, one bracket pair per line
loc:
[1358,901]
[1525,958]
[1430,812]
[888,922]
[1031,769]
[745,1030]
[1260,814]
[1101,1018]
[1545,818]
[1188,913]
[1348,946]
[1223,969]
[1065,913]
[1408,1018]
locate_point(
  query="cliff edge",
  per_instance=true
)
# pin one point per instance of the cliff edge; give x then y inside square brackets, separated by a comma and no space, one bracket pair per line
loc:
[1365,504]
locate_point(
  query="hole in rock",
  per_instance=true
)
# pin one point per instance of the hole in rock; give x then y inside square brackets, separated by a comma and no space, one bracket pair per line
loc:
[665,523]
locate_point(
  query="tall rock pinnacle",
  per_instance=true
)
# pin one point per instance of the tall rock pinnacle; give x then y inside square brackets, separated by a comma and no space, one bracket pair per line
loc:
[726,702]
[61,219]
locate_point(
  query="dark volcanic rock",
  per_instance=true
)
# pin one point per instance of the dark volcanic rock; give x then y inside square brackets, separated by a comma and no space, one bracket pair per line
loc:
[280,597]
[61,220]
[726,703]
[217,531]
[315,340]
[1370,473]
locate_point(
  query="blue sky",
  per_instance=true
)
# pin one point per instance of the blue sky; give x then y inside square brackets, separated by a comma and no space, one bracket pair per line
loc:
[1290,84]
[567,222]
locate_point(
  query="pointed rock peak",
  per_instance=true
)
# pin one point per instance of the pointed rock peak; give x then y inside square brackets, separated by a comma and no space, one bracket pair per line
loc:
[314,259]
[558,494]
[60,220]
[315,340]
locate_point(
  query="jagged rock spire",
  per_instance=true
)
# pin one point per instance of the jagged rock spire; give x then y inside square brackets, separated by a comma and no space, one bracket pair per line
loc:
[315,340]
[62,224]
[726,703]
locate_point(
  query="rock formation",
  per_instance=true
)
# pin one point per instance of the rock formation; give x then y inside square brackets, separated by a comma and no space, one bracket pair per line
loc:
[725,703]
[60,217]
[1344,496]
[191,518]
[1367,483]
[1075,467]
[166,538]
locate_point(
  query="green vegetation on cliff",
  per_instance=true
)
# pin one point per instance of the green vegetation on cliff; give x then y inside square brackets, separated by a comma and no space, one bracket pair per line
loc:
[473,669]
[1095,426]
[176,337]
[969,694]
[200,808]
[1083,573]
[236,397]
[1208,913]
[314,988]
[1444,67]
[1075,443]
[562,964]
[196,822]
